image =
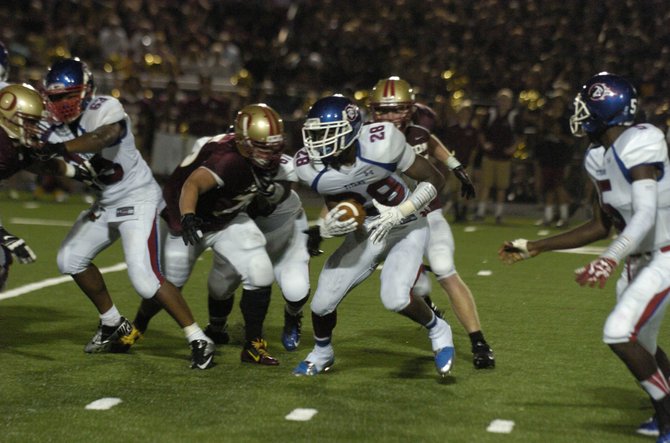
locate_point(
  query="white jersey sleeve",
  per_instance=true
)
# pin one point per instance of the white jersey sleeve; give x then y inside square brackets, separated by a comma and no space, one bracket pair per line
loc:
[103,110]
[286,170]
[639,145]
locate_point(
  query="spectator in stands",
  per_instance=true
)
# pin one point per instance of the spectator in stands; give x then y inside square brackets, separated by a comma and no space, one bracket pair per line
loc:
[499,139]
[553,154]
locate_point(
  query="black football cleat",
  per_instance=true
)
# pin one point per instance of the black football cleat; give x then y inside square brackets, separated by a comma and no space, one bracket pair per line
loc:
[482,356]
[202,354]
[106,336]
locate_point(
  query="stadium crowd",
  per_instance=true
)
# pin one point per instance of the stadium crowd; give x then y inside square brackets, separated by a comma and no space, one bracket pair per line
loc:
[186,67]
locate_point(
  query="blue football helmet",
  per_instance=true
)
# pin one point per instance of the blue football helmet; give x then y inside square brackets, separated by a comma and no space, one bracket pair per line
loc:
[69,86]
[605,100]
[4,63]
[333,124]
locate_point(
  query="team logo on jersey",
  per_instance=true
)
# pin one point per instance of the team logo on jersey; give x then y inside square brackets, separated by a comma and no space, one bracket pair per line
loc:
[351,111]
[125,211]
[600,91]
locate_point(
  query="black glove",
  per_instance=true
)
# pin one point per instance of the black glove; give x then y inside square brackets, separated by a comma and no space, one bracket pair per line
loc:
[260,206]
[190,232]
[50,150]
[17,247]
[314,241]
[85,173]
[467,188]
[264,182]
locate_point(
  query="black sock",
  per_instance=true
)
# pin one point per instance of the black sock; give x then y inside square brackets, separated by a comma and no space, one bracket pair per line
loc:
[254,306]
[219,310]
[294,308]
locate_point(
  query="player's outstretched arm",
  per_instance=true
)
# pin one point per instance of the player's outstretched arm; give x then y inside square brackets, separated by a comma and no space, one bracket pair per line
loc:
[595,229]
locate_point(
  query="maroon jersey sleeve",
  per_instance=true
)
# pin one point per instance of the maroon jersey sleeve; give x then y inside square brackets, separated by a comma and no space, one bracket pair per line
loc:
[424,116]
[218,206]
[12,158]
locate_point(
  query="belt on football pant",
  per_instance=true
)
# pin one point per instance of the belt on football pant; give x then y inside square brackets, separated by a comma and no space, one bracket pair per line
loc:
[663,249]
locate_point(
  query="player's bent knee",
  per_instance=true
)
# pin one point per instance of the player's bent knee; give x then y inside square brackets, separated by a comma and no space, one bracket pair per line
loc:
[294,284]
[259,270]
[617,329]
[423,286]
[68,264]
[145,282]
[222,283]
[443,267]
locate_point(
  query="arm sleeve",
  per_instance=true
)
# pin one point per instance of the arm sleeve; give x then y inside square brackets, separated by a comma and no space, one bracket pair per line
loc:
[644,216]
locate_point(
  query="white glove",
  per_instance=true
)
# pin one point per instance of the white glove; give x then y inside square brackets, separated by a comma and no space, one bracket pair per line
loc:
[389,216]
[332,227]
[598,271]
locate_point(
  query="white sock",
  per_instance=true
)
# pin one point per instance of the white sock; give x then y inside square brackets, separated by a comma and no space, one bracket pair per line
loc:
[548,213]
[565,211]
[481,209]
[440,335]
[193,332]
[111,318]
[499,209]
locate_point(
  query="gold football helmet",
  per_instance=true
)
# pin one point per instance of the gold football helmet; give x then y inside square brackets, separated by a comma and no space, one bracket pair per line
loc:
[22,113]
[259,134]
[392,100]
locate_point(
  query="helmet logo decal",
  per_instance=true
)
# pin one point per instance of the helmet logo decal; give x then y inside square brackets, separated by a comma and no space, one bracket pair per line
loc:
[351,112]
[600,91]
[389,89]
[11,104]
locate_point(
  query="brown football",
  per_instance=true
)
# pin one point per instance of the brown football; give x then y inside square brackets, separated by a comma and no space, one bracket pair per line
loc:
[352,209]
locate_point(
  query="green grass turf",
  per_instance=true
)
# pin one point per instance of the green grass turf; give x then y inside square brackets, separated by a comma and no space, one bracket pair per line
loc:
[554,377]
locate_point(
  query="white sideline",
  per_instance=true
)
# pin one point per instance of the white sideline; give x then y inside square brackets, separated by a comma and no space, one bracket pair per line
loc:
[53,282]
[39,222]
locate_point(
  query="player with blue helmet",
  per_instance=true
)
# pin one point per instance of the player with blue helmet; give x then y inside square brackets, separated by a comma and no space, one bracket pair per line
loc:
[629,166]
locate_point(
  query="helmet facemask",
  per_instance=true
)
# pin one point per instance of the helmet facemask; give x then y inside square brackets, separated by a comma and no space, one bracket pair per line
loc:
[325,139]
[399,115]
[67,106]
[392,100]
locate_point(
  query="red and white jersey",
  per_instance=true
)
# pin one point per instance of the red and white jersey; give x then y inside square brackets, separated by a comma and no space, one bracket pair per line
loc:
[609,169]
[124,176]
[382,154]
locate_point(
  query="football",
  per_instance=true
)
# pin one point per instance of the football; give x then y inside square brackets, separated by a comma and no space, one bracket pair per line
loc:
[352,209]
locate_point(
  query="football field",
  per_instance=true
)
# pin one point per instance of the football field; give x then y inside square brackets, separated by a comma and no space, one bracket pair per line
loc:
[555,381]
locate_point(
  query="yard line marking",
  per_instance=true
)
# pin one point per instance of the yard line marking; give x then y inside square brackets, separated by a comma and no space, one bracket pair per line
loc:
[104,403]
[53,282]
[301,414]
[485,273]
[39,222]
[587,250]
[501,426]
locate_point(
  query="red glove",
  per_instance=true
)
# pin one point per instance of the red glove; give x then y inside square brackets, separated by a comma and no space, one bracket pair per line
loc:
[598,271]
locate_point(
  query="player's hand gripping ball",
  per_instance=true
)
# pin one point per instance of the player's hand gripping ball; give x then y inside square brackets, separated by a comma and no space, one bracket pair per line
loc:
[351,209]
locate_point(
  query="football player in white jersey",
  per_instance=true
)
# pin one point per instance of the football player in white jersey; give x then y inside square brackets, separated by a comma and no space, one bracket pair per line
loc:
[344,159]
[392,100]
[284,225]
[94,132]
[628,164]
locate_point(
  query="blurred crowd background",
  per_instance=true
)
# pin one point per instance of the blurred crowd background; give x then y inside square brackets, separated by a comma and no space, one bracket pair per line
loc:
[183,68]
